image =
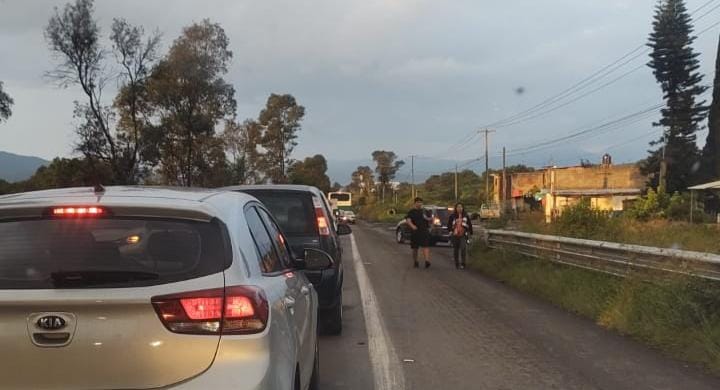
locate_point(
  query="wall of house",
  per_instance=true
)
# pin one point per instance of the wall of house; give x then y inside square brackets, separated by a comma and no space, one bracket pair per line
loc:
[579,178]
[522,183]
[614,176]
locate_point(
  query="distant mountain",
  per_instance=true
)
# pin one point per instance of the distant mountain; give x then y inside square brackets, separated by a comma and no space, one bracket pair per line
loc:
[14,167]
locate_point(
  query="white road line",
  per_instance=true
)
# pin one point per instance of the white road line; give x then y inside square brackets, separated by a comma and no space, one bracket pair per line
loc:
[387,371]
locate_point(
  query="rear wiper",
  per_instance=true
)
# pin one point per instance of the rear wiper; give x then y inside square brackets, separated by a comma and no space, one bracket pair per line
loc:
[97,277]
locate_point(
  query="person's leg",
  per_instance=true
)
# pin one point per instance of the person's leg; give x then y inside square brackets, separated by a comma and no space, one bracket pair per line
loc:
[426,254]
[415,256]
[462,246]
[456,249]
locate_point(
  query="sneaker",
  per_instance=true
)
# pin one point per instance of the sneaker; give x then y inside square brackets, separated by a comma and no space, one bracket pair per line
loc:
[416,265]
[427,264]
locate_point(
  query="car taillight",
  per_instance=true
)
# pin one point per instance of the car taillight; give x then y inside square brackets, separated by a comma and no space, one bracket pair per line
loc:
[77,211]
[323,228]
[232,310]
[322,222]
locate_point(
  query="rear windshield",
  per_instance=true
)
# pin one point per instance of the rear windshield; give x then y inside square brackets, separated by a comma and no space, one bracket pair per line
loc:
[293,210]
[340,197]
[108,253]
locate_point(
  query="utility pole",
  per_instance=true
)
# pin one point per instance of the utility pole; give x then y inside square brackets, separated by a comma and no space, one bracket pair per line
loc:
[662,183]
[487,164]
[456,183]
[412,170]
[503,196]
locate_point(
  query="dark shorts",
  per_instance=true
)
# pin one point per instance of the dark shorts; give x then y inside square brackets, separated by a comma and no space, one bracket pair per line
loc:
[420,239]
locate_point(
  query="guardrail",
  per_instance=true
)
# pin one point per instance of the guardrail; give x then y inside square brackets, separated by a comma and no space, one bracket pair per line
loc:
[609,257]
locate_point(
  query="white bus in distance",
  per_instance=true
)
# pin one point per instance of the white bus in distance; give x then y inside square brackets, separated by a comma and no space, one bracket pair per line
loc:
[342,199]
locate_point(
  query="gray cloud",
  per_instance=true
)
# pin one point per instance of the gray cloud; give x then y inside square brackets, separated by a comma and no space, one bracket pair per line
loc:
[413,76]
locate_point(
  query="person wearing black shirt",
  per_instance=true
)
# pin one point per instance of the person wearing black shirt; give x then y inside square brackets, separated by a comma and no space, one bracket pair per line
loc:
[419,223]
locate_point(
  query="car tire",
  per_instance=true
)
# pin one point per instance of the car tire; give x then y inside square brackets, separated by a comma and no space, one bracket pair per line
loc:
[315,378]
[333,319]
[399,236]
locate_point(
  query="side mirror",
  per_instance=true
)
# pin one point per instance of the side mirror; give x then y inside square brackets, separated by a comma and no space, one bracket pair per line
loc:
[343,229]
[316,260]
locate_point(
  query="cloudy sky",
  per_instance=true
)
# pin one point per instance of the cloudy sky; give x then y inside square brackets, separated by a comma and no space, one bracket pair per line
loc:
[413,76]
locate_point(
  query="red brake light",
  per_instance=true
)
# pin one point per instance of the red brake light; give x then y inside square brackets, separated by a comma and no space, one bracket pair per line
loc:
[202,308]
[79,211]
[238,307]
[233,310]
[322,223]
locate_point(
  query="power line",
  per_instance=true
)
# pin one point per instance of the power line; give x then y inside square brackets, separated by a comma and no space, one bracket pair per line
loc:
[706,13]
[703,6]
[593,78]
[614,122]
[568,91]
[543,113]
[631,140]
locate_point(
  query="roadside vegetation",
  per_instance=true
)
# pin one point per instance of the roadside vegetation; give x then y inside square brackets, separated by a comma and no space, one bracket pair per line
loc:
[637,226]
[680,316]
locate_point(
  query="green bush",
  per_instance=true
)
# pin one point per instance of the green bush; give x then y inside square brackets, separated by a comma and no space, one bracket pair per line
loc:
[583,221]
[652,205]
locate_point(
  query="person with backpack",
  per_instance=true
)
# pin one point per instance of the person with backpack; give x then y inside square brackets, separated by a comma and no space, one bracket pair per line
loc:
[461,228]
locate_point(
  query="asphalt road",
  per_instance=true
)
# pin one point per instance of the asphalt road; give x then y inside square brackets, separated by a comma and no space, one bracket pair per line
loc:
[441,328]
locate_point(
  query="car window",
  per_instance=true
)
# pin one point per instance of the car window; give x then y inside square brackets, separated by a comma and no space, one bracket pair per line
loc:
[278,238]
[108,252]
[293,210]
[269,259]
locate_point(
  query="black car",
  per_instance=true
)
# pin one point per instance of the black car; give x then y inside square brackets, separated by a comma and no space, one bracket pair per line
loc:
[305,216]
[439,231]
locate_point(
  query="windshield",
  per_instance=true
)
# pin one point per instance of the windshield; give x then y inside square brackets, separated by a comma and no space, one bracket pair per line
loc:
[88,253]
[340,197]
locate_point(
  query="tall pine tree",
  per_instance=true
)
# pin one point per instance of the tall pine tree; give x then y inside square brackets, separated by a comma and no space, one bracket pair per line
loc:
[711,153]
[675,66]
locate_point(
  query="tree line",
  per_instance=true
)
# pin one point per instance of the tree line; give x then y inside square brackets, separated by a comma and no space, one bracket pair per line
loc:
[368,184]
[173,120]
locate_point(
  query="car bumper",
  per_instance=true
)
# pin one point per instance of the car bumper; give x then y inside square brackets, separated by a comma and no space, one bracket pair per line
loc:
[440,234]
[242,363]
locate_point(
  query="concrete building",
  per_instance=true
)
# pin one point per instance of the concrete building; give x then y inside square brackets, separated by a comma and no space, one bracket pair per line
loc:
[553,189]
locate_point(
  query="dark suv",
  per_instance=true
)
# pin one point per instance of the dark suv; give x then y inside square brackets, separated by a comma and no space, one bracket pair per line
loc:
[305,216]
[438,228]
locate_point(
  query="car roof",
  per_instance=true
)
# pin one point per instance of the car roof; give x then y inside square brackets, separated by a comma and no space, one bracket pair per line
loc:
[179,193]
[275,187]
[189,202]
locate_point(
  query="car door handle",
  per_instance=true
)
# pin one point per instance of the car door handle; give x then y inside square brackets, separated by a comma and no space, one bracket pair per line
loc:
[305,290]
[289,302]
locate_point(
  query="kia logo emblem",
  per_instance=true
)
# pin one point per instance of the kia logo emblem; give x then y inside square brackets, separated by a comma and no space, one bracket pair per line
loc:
[51,322]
